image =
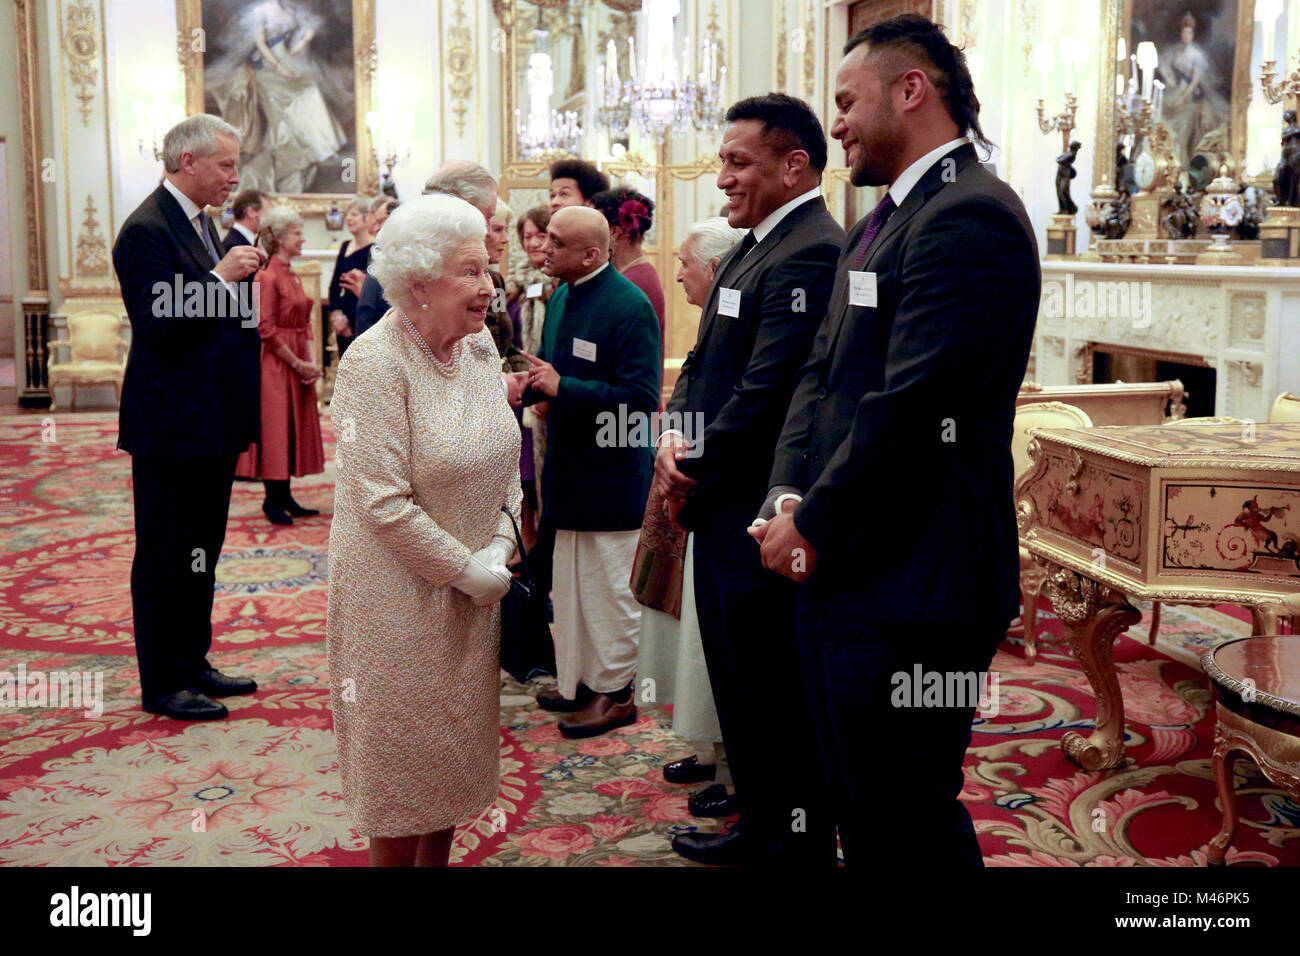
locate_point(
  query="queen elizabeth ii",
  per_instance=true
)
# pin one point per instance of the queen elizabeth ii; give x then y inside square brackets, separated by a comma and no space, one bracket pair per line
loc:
[428,455]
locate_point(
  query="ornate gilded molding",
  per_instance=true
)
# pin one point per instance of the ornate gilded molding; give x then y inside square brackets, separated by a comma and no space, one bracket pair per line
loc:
[92,250]
[460,65]
[1026,18]
[809,46]
[1253,694]
[81,46]
[969,18]
[1260,461]
[782,47]
[25,15]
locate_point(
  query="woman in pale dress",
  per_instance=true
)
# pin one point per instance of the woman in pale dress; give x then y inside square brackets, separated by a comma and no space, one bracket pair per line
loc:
[669,650]
[428,454]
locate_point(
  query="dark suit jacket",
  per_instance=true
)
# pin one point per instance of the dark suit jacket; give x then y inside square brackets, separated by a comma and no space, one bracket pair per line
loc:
[233,238]
[740,376]
[193,372]
[596,476]
[900,429]
[371,307]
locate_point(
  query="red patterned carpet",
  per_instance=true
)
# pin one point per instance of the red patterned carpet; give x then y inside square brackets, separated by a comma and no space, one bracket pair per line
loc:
[128,788]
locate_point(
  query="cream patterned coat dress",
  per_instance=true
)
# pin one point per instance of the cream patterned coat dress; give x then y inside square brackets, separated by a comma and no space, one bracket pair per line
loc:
[427,456]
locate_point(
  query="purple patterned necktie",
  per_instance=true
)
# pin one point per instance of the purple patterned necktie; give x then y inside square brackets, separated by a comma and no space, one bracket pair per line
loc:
[874,224]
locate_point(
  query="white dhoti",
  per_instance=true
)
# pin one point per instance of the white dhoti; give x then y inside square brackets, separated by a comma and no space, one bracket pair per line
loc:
[597,619]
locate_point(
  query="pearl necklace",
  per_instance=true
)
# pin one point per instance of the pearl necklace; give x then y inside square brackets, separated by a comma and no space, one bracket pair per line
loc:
[447,368]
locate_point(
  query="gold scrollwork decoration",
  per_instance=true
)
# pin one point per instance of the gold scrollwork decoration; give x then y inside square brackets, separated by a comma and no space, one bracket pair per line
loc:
[81,46]
[460,65]
[92,250]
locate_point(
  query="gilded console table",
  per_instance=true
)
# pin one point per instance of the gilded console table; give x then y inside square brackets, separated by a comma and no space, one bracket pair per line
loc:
[1202,514]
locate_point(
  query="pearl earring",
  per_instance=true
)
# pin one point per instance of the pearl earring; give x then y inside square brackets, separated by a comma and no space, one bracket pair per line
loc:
[424,305]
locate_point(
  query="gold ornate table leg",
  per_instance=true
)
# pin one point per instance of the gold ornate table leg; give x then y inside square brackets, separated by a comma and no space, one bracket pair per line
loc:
[1225,756]
[1094,615]
[1264,618]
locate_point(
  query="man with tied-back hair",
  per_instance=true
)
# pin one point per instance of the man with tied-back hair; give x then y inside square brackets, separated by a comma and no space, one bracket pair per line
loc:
[894,464]
[599,359]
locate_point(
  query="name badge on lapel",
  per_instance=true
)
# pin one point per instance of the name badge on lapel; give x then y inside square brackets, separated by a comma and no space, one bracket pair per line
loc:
[534,291]
[584,350]
[862,289]
[729,302]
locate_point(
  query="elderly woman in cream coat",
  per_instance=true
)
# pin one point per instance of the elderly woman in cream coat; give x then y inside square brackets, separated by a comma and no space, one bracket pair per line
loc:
[428,456]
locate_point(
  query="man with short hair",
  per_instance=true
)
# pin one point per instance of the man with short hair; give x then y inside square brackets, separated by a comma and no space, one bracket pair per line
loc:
[190,406]
[598,366]
[768,296]
[894,464]
[248,208]
[574,182]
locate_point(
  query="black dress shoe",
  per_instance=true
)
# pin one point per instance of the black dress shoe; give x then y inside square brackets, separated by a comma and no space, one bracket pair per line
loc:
[186,705]
[274,514]
[713,801]
[298,511]
[216,684]
[713,849]
[553,700]
[689,770]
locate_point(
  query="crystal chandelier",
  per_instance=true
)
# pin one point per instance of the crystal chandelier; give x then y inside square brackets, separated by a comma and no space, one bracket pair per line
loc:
[545,130]
[668,93]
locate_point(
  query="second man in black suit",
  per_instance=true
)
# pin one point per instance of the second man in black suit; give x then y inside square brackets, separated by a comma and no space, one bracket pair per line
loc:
[768,296]
[248,208]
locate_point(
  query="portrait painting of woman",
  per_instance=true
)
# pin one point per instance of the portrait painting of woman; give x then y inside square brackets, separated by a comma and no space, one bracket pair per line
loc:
[281,72]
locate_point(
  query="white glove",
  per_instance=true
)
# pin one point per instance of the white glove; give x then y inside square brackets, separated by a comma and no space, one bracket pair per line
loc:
[484,584]
[498,552]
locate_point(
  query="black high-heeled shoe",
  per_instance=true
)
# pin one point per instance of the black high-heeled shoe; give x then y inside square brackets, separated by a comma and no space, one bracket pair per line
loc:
[298,511]
[274,514]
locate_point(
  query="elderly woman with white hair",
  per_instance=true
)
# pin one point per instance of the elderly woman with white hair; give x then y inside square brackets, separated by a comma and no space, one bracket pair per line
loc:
[290,442]
[669,650]
[428,458]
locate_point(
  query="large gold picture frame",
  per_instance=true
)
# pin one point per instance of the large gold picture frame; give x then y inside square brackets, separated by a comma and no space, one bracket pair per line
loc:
[1117,17]
[189,22]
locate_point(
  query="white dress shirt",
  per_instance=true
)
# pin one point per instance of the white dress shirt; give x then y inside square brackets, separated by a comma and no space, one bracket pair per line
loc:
[192,212]
[912,174]
[774,218]
[591,275]
[246,233]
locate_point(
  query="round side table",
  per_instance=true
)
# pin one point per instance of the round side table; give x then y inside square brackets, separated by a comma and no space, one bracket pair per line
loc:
[1256,684]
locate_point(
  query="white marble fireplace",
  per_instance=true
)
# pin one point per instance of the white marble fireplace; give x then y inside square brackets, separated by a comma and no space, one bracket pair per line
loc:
[1242,321]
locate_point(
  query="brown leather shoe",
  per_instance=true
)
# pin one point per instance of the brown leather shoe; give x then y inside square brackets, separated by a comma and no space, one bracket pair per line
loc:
[601,715]
[551,699]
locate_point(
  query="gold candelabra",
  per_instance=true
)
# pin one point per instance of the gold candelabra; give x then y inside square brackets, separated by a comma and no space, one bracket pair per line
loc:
[1061,122]
[1274,90]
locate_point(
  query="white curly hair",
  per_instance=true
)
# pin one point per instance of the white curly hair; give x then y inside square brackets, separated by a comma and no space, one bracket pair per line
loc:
[417,240]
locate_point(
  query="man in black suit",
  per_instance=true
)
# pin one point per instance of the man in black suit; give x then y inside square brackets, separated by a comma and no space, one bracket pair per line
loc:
[896,452]
[768,296]
[190,405]
[248,208]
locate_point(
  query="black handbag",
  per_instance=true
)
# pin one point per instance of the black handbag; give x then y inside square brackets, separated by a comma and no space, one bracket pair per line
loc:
[527,648]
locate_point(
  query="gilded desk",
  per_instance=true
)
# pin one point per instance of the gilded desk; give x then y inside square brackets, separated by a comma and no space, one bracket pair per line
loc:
[1201,514]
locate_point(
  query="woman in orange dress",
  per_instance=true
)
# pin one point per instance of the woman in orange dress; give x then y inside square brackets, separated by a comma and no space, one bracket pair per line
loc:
[290,443]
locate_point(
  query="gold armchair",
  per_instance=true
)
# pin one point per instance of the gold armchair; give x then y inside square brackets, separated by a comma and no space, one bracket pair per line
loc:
[96,354]
[1032,575]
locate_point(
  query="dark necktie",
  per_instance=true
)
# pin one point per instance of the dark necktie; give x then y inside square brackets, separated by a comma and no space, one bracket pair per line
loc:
[875,222]
[749,242]
[207,238]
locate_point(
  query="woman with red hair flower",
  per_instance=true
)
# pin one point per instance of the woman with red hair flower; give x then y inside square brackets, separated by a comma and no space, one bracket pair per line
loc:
[630,216]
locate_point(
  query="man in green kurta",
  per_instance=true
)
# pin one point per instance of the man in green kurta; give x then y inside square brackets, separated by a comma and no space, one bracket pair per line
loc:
[598,375]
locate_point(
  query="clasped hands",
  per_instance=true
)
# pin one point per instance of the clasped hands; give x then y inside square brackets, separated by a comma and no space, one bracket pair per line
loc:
[486,579]
[784,550]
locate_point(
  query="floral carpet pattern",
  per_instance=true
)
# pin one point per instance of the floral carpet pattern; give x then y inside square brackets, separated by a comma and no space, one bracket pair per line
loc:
[81,786]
